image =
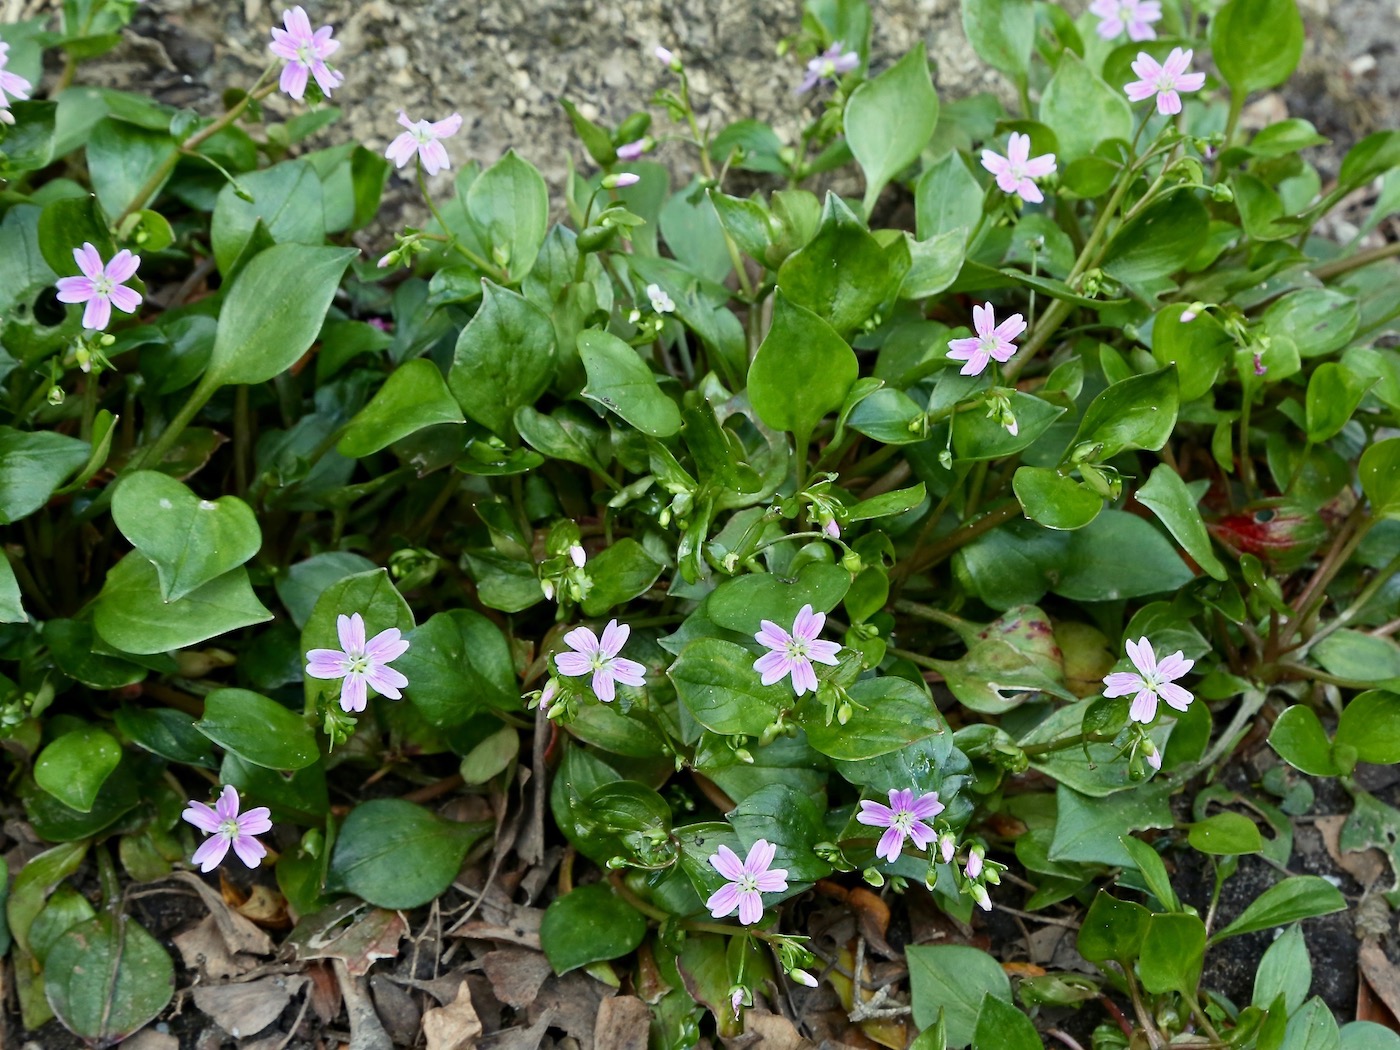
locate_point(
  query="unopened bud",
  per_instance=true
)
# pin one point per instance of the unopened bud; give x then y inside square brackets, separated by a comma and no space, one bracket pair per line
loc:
[620,180]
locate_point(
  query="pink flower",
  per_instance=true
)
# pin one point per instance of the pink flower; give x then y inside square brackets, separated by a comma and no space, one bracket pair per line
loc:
[600,659]
[633,150]
[1153,680]
[827,66]
[548,693]
[665,56]
[833,529]
[1187,316]
[360,663]
[306,53]
[974,862]
[746,881]
[101,287]
[1015,171]
[736,999]
[904,818]
[1136,16]
[792,654]
[423,137]
[11,84]
[947,846]
[228,828]
[621,180]
[1164,80]
[993,341]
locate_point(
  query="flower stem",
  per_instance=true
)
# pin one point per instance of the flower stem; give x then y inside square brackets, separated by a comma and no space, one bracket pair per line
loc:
[466,253]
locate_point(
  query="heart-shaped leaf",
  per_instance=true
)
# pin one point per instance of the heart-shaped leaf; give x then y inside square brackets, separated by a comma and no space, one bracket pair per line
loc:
[189,540]
[258,730]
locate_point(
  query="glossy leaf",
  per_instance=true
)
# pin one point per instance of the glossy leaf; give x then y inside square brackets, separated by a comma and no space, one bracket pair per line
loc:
[508,205]
[274,311]
[1113,930]
[504,359]
[1138,412]
[1334,393]
[716,681]
[1173,951]
[32,466]
[953,978]
[189,540]
[74,767]
[1297,897]
[414,396]
[1225,835]
[458,664]
[842,274]
[1167,496]
[620,381]
[1054,500]
[1083,110]
[1370,723]
[587,925]
[258,730]
[1300,740]
[286,202]
[394,854]
[801,372]
[1379,471]
[132,615]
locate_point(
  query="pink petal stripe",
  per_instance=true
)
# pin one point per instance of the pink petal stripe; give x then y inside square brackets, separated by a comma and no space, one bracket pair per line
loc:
[725,861]
[202,817]
[582,640]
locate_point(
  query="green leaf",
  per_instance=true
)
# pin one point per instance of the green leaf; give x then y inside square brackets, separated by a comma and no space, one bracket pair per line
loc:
[716,681]
[302,584]
[166,732]
[65,225]
[1154,873]
[491,756]
[121,159]
[742,604]
[1002,32]
[976,436]
[620,381]
[891,713]
[1083,110]
[394,854]
[508,206]
[890,119]
[842,274]
[1172,954]
[1156,242]
[11,604]
[414,396]
[619,574]
[791,822]
[458,664]
[934,264]
[1167,496]
[587,925]
[131,614]
[947,201]
[801,372]
[953,978]
[1256,44]
[1113,930]
[286,201]
[191,541]
[29,143]
[1334,393]
[888,504]
[1300,740]
[1371,725]
[273,312]
[570,433]
[1358,655]
[504,359]
[1138,412]
[694,234]
[1118,555]
[1226,835]
[32,466]
[35,881]
[1285,970]
[1295,898]
[1316,320]
[1055,500]
[75,766]
[1365,1035]
[107,977]
[1314,1028]
[1092,830]
[1379,471]
[1197,348]
[1000,1026]
[258,730]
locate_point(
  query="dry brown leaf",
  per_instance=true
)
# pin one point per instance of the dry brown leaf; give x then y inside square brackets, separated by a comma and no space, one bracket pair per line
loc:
[398,1012]
[325,991]
[516,974]
[1365,866]
[624,1022]
[203,949]
[366,1032]
[266,907]
[774,1032]
[873,914]
[521,1038]
[575,1000]
[243,1010]
[455,1026]
[239,934]
[352,932]
[1380,973]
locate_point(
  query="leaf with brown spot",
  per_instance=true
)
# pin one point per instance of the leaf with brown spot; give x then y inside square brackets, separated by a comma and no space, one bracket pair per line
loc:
[351,931]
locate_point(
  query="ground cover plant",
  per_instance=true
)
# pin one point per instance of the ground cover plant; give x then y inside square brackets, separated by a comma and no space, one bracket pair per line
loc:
[694,563]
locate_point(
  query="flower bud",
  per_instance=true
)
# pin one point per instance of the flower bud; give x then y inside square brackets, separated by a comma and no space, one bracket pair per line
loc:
[803,977]
[620,180]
